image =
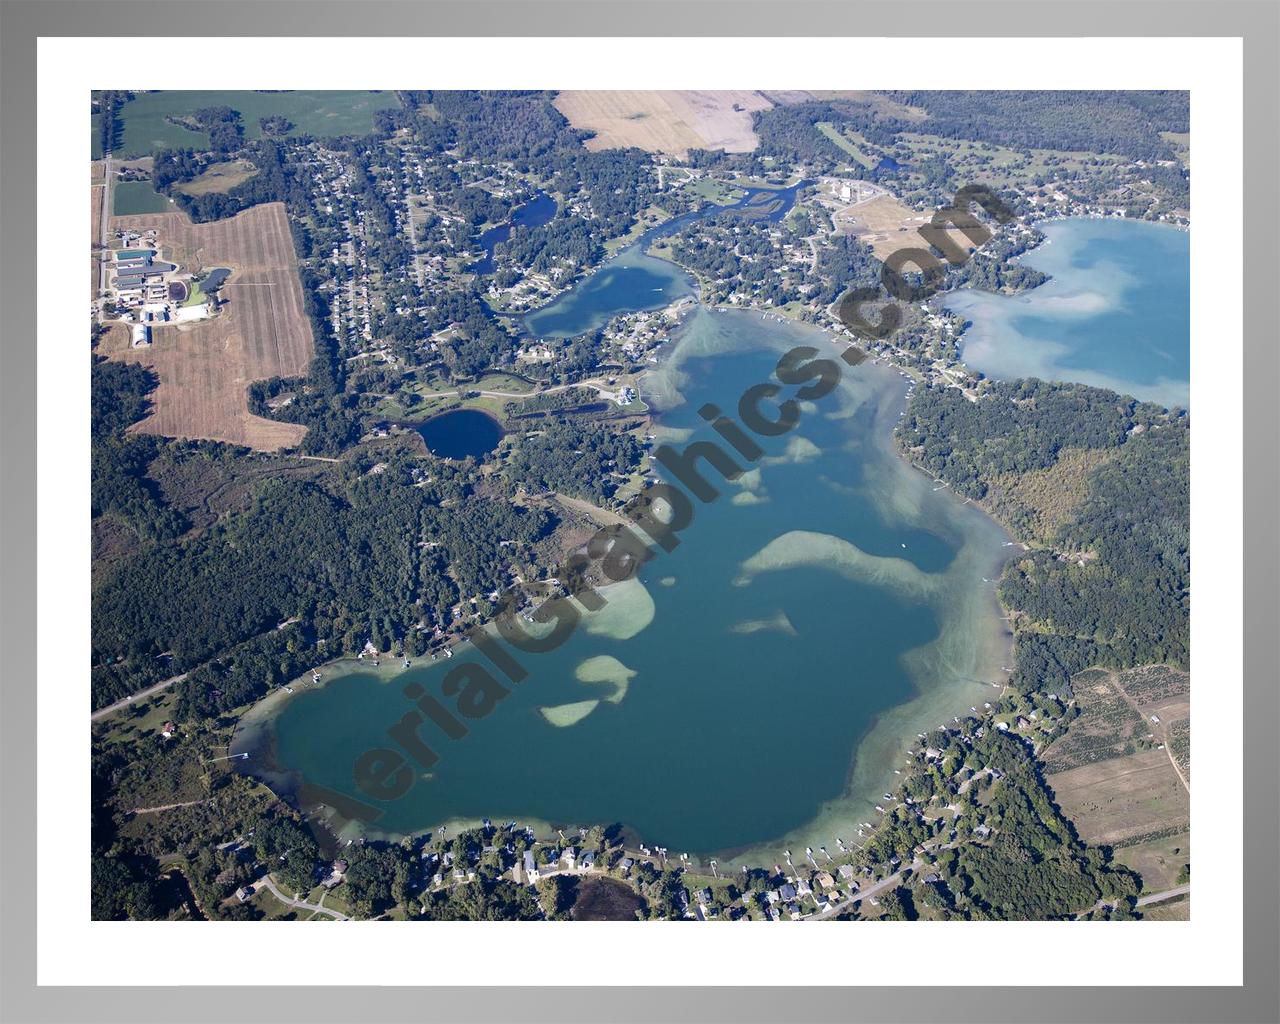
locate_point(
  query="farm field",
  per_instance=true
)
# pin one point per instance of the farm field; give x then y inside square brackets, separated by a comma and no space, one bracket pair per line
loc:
[1123,797]
[882,106]
[1112,773]
[882,223]
[262,330]
[133,197]
[320,113]
[665,121]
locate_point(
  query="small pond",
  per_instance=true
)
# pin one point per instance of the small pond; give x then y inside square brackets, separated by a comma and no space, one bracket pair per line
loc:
[461,433]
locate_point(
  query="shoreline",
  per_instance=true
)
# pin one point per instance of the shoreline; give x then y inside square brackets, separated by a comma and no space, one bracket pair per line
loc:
[888,736]
[989,342]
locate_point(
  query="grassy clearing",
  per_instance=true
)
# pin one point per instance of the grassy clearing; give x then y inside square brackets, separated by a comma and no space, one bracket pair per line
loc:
[845,141]
[220,177]
[1181,142]
[1042,501]
[1159,861]
[1177,909]
[710,190]
[497,381]
[195,294]
[144,717]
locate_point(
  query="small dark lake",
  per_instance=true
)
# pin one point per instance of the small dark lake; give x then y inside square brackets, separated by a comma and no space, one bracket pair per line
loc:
[462,432]
[214,280]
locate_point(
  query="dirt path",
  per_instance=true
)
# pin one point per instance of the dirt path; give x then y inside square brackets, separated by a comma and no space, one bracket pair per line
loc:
[169,807]
[1162,730]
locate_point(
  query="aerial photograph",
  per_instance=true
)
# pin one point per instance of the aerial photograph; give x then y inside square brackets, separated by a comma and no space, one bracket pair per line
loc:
[640,505]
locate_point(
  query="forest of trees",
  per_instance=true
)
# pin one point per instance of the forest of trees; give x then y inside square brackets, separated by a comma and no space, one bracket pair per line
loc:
[1128,602]
[119,486]
[1097,121]
[1015,855]
[346,559]
[342,557]
[582,460]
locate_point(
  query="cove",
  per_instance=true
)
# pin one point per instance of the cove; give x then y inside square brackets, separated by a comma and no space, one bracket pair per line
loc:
[537,211]
[1115,314]
[634,281]
[752,689]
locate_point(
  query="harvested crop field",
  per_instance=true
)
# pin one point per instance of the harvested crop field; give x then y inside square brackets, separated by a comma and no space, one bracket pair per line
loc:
[883,223]
[1123,797]
[261,331]
[1113,775]
[665,121]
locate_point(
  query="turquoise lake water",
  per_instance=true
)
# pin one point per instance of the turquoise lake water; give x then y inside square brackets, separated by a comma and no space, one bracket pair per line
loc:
[1116,313]
[755,686]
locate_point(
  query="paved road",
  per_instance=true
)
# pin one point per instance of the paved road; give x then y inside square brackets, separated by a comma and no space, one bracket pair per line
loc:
[266,882]
[1168,894]
[600,388]
[888,882]
[105,228]
[150,691]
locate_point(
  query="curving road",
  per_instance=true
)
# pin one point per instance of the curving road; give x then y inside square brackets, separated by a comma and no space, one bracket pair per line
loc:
[318,908]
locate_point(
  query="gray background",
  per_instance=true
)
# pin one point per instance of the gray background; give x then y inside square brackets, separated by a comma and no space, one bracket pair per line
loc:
[1257,22]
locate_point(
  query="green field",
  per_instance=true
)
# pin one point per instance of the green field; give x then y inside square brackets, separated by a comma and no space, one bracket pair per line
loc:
[130,197]
[718,192]
[195,294]
[320,113]
[1000,166]
[845,140]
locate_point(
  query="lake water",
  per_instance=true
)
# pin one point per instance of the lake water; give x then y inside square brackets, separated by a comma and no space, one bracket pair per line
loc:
[213,279]
[461,433]
[630,282]
[633,281]
[1116,313]
[533,214]
[752,689]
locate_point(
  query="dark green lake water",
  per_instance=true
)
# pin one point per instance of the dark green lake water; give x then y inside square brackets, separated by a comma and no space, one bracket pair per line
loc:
[461,433]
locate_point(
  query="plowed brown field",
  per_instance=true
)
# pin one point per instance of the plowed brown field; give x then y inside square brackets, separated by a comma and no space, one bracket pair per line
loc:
[261,330]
